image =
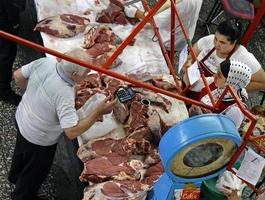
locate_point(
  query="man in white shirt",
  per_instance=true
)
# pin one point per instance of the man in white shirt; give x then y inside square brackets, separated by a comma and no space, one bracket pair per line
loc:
[47,109]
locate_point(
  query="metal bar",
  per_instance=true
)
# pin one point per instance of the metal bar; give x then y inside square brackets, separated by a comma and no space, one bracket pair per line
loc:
[258,137]
[209,92]
[164,51]
[241,106]
[254,24]
[172,33]
[100,69]
[247,136]
[230,90]
[192,52]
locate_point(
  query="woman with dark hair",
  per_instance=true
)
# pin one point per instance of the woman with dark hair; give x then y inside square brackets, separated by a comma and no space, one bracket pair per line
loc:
[230,72]
[211,50]
[232,29]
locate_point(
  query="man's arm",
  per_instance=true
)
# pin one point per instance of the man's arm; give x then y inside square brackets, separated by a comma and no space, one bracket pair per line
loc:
[257,82]
[104,108]
[20,80]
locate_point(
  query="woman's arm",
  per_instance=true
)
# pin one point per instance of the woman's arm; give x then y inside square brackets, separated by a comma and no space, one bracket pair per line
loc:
[190,60]
[257,82]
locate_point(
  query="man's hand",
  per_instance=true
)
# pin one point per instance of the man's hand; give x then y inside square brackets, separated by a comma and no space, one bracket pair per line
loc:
[103,108]
[106,106]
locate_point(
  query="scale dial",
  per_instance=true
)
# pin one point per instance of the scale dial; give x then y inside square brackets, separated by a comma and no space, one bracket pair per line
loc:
[203,158]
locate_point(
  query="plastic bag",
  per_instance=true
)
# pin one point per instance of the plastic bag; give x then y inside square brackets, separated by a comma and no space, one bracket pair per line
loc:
[99,129]
[228,182]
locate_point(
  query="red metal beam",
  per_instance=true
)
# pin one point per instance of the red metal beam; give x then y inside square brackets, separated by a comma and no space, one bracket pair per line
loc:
[254,24]
[100,69]
[164,51]
[248,134]
[172,32]
[138,28]
[192,51]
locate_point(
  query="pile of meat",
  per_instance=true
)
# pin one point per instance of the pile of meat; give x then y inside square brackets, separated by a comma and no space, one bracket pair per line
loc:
[100,43]
[63,26]
[127,167]
[115,14]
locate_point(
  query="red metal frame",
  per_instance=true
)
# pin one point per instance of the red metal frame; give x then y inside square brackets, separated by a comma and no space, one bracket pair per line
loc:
[254,24]
[249,132]
[191,49]
[169,60]
[149,18]
[100,69]
[172,32]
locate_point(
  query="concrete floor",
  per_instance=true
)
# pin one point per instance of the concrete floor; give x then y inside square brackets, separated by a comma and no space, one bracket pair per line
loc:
[61,182]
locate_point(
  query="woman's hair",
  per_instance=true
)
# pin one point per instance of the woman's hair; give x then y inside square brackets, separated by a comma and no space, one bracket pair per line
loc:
[232,29]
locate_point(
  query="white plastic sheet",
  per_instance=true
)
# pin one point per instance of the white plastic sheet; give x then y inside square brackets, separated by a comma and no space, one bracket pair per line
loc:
[143,52]
[98,129]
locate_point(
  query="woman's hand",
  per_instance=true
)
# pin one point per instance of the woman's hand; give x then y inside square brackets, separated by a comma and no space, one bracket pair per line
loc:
[106,106]
[187,64]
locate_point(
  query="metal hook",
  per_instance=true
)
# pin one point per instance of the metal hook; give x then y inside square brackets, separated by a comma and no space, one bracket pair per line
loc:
[154,38]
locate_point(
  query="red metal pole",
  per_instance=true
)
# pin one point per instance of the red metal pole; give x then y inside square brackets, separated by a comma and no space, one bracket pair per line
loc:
[192,52]
[253,120]
[230,90]
[161,43]
[254,24]
[100,69]
[172,32]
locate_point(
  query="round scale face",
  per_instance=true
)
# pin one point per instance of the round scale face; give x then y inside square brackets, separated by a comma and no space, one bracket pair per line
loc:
[203,158]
